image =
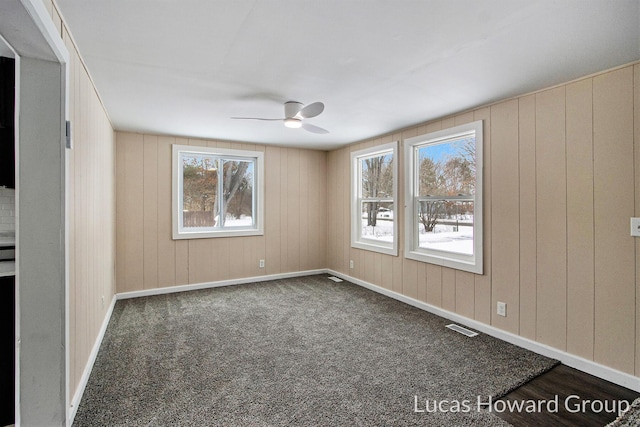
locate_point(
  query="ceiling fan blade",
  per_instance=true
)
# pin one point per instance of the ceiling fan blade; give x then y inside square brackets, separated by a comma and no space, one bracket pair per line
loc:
[311,110]
[255,118]
[313,128]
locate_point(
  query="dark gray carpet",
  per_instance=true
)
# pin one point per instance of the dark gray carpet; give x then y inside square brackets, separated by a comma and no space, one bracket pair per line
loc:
[294,352]
[631,417]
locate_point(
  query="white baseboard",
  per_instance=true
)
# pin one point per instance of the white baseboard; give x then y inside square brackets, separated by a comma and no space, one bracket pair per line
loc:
[208,285]
[77,397]
[582,364]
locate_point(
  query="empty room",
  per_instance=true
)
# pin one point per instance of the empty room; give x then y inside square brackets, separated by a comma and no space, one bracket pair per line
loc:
[320,213]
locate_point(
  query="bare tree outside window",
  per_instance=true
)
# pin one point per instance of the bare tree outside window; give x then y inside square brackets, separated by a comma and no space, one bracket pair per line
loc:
[374,222]
[217,192]
[446,188]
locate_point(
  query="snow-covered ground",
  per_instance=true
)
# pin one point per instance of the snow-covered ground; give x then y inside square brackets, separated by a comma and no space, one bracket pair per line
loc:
[243,221]
[443,238]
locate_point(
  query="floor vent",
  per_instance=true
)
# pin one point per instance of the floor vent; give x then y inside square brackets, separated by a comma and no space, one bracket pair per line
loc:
[463,331]
[334,278]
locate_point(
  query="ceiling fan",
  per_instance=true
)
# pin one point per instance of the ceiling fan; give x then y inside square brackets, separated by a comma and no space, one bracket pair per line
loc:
[294,115]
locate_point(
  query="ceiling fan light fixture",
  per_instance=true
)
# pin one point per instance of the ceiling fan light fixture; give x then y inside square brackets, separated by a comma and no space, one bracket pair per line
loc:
[293,123]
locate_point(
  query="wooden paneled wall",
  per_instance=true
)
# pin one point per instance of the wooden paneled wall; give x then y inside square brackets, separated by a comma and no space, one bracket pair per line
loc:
[148,258]
[91,210]
[562,179]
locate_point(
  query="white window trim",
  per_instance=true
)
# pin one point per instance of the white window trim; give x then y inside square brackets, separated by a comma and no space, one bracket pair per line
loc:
[176,206]
[356,240]
[472,263]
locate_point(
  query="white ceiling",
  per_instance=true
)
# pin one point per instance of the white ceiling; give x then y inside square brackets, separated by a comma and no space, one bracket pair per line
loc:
[184,67]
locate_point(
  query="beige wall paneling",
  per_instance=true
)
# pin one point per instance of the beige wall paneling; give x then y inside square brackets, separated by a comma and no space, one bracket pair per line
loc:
[422,281]
[396,261]
[258,244]
[150,211]
[121,213]
[505,214]
[580,250]
[236,257]
[55,17]
[90,211]
[449,286]
[48,4]
[336,211]
[345,219]
[293,208]
[410,278]
[434,285]
[132,222]
[80,177]
[377,266]
[144,174]
[320,208]
[368,273]
[527,211]
[166,245]
[448,289]
[333,204]
[615,309]
[285,228]
[464,282]
[551,206]
[200,257]
[75,368]
[273,169]
[182,246]
[386,272]
[483,307]
[304,235]
[465,302]
[636,134]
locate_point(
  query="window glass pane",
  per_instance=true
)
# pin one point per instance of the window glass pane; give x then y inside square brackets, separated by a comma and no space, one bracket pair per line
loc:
[377,221]
[377,176]
[447,168]
[200,187]
[446,225]
[238,187]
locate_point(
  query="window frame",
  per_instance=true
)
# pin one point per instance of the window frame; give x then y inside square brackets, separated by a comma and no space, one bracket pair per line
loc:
[257,157]
[357,241]
[471,263]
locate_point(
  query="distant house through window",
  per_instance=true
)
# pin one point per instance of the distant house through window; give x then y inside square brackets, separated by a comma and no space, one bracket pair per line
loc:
[444,197]
[374,223]
[217,192]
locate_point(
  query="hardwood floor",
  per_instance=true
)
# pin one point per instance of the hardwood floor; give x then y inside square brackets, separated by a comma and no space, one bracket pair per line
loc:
[582,400]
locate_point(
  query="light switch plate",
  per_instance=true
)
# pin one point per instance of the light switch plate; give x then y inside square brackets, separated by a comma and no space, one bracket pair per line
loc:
[635,227]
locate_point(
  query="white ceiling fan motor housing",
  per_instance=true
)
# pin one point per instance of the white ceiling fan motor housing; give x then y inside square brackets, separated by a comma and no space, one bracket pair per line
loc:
[292,108]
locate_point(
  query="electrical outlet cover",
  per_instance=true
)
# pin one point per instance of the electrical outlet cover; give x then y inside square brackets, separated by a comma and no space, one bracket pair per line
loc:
[502,309]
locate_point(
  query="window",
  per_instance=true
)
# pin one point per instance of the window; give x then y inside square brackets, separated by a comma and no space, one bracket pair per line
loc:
[444,197]
[216,192]
[374,223]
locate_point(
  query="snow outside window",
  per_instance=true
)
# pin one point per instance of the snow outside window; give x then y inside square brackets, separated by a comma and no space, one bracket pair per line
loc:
[444,197]
[374,224]
[216,192]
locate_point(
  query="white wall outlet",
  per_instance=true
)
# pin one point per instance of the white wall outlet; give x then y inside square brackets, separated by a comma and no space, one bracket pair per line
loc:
[502,309]
[350,263]
[102,300]
[261,263]
[635,227]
